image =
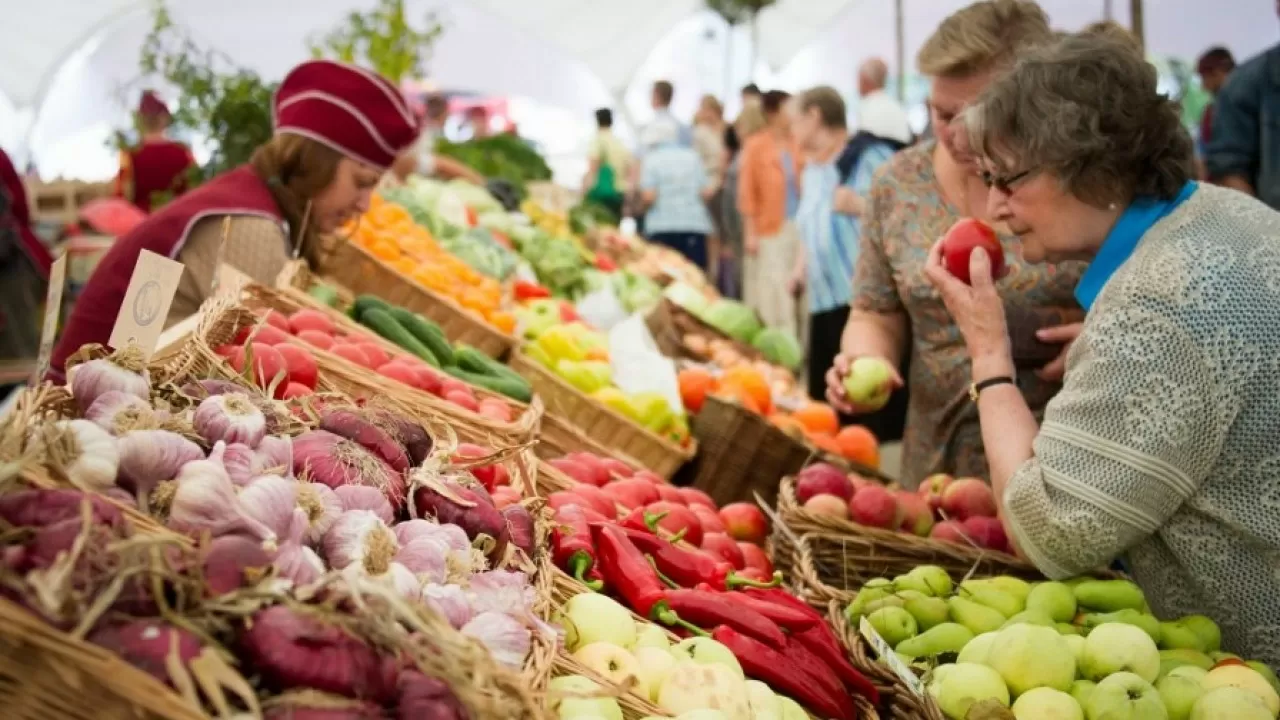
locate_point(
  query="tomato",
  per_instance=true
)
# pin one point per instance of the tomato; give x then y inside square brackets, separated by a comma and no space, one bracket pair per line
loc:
[374,352]
[317,339]
[276,319]
[269,366]
[293,390]
[227,351]
[400,373]
[464,399]
[352,354]
[308,319]
[271,335]
[302,366]
[495,409]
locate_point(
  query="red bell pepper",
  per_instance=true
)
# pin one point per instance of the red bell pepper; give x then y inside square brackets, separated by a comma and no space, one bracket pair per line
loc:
[709,609]
[628,572]
[787,618]
[526,290]
[572,550]
[775,669]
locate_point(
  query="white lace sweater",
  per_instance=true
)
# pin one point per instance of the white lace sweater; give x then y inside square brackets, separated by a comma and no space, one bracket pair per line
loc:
[1164,443]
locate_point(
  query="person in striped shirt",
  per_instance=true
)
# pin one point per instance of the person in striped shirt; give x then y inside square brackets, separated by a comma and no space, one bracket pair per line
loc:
[829,231]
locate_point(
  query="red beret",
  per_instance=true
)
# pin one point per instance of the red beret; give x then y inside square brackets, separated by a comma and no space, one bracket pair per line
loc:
[352,110]
[151,106]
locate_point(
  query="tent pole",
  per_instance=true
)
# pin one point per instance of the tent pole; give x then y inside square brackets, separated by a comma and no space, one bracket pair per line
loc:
[755,45]
[1135,21]
[899,32]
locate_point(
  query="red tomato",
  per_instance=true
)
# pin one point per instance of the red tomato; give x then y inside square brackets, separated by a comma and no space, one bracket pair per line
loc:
[495,409]
[277,319]
[374,352]
[308,319]
[293,390]
[353,354]
[302,366]
[227,351]
[400,373]
[316,339]
[958,245]
[268,366]
[463,399]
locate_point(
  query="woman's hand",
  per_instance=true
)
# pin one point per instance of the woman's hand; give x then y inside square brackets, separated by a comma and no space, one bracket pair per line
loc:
[977,310]
[838,397]
[1064,334]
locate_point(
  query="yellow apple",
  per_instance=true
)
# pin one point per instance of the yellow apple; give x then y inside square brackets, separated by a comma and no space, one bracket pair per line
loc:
[1245,678]
[614,664]
[653,666]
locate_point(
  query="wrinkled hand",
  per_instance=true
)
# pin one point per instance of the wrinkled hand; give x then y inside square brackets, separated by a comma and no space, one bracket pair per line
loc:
[1064,334]
[977,309]
[836,394]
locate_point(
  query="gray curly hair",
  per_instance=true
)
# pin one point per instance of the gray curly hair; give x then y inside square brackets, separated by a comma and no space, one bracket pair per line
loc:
[1085,109]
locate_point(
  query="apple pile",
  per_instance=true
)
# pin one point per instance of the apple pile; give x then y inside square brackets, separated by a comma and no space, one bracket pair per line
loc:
[697,678]
[273,348]
[734,533]
[961,511]
[1077,649]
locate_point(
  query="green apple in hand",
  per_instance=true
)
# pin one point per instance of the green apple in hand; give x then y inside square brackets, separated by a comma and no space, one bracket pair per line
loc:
[869,383]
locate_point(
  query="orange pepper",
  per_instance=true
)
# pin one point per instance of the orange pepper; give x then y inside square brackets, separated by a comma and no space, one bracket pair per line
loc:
[504,321]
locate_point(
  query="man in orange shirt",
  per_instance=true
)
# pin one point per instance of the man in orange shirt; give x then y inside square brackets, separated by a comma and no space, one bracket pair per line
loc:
[156,170]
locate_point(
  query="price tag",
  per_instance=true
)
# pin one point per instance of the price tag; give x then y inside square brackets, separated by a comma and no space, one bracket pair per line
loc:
[890,658]
[52,313]
[146,302]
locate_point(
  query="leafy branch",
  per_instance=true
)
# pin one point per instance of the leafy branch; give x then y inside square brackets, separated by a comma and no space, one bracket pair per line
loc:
[383,40]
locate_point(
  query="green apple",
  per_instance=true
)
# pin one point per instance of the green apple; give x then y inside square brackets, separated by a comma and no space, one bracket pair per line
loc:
[791,709]
[1031,617]
[1149,624]
[1245,678]
[694,686]
[874,589]
[1229,703]
[928,611]
[1032,656]
[1076,643]
[1081,690]
[613,663]
[928,579]
[958,687]
[978,649]
[1055,599]
[1177,635]
[1206,628]
[1119,647]
[650,635]
[1170,659]
[869,383]
[1125,696]
[1179,692]
[1007,584]
[1069,629]
[939,639]
[978,618]
[1266,672]
[592,617]
[705,651]
[765,705]
[1219,656]
[894,624]
[564,697]
[652,667]
[1046,704]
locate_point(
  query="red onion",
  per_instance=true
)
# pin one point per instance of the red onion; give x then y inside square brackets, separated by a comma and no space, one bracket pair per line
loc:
[148,644]
[426,698]
[229,558]
[320,456]
[354,427]
[36,508]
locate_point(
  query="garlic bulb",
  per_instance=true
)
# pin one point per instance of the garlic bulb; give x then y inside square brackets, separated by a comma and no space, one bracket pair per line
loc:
[231,418]
[125,371]
[238,461]
[396,577]
[363,497]
[296,562]
[322,507]
[359,537]
[149,457]
[87,454]
[274,456]
[204,500]
[272,499]
[428,558]
[119,412]
[450,601]
[506,638]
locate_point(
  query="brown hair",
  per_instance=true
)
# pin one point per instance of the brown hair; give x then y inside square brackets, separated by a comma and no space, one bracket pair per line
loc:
[773,102]
[749,122]
[983,36]
[828,103]
[296,169]
[1115,31]
[1087,110]
[664,91]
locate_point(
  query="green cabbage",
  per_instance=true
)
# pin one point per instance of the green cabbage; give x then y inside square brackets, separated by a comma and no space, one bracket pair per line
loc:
[687,297]
[733,319]
[779,347]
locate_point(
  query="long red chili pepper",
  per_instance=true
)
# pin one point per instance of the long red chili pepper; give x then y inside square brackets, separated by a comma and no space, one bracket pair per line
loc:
[572,549]
[709,609]
[689,568]
[776,670]
[787,618]
[641,521]
[628,572]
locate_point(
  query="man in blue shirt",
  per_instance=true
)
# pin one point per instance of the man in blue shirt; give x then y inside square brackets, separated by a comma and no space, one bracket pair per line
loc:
[829,251]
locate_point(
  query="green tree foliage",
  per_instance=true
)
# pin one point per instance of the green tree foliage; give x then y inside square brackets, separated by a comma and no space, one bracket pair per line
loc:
[384,40]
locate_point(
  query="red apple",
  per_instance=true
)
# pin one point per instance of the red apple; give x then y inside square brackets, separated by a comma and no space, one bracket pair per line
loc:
[599,474]
[677,519]
[600,502]
[670,493]
[987,532]
[829,505]
[744,521]
[968,497]
[917,518]
[632,493]
[617,468]
[504,496]
[959,243]
[724,547]
[932,487]
[822,479]
[694,496]
[708,519]
[875,507]
[756,558]
[950,531]
[859,482]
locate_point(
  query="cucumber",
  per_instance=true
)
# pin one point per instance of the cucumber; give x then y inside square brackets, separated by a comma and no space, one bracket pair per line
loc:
[363,303]
[472,360]
[381,322]
[501,385]
[427,333]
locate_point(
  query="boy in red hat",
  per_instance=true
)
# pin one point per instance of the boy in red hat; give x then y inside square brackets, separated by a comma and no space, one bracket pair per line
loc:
[156,170]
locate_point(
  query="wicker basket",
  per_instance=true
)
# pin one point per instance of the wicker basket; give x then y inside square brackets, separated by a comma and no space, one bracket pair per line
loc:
[557,438]
[521,430]
[897,700]
[683,322]
[601,423]
[741,454]
[360,272]
[829,559]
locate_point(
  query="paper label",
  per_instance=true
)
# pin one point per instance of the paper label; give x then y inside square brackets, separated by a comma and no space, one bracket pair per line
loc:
[52,313]
[146,302]
[889,657]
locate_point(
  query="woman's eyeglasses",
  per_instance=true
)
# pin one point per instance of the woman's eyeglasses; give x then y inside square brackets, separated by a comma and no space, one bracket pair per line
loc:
[1003,183]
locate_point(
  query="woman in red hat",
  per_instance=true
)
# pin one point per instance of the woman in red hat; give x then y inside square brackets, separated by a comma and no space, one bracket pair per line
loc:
[338,128]
[156,170]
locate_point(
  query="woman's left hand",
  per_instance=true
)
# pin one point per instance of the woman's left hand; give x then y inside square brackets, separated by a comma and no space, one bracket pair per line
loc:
[977,310]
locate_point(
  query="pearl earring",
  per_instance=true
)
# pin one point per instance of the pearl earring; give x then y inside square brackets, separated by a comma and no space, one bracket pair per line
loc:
[1112,206]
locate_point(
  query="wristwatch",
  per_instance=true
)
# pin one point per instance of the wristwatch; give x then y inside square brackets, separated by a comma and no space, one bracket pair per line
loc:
[976,389]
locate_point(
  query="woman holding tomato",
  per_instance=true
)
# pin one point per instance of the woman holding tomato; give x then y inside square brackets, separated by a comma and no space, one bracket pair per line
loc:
[919,194]
[338,128]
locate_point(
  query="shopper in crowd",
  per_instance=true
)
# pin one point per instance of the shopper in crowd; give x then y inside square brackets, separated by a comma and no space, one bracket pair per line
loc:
[674,188]
[24,276]
[156,170]
[338,128]
[1213,67]
[708,141]
[422,157]
[1161,447]
[829,246]
[1243,151]
[751,96]
[609,166]
[749,122]
[913,201]
[879,115]
[768,194]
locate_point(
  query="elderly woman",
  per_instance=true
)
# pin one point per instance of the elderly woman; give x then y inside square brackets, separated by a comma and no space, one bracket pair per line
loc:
[915,198]
[1162,446]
